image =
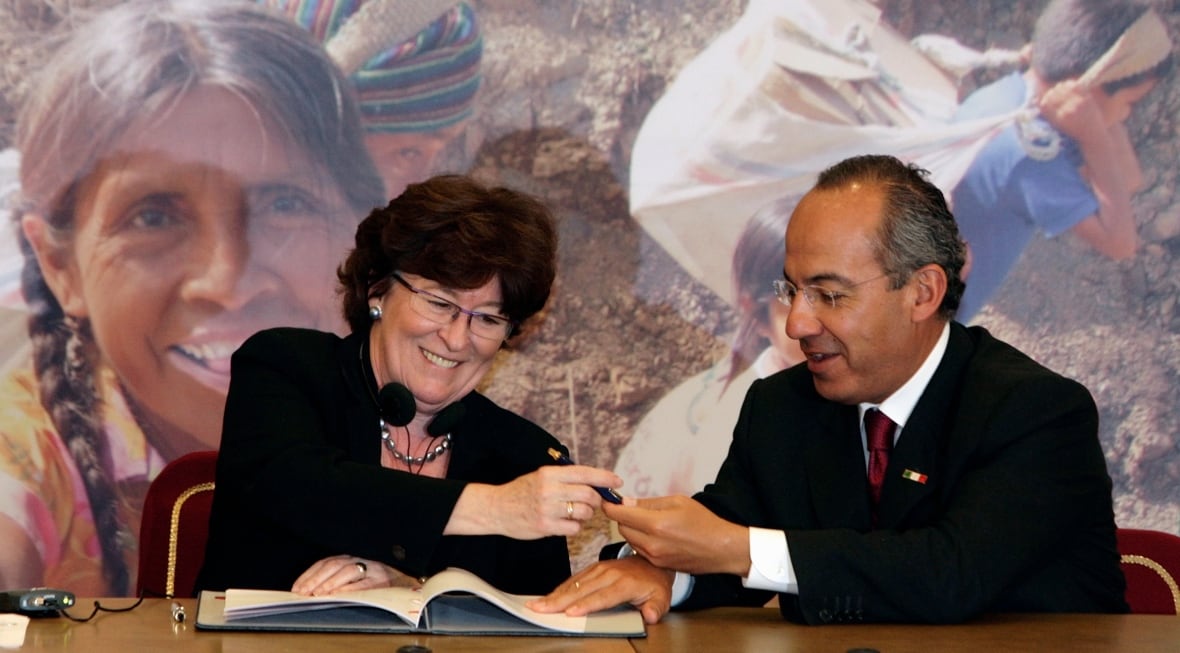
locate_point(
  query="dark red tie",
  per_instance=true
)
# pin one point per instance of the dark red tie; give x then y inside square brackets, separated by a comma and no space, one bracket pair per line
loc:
[879,435]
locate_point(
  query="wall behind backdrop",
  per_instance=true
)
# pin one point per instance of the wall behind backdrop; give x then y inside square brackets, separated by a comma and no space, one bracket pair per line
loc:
[564,93]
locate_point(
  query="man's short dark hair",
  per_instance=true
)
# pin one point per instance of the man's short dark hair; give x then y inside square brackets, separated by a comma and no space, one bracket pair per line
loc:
[917,228]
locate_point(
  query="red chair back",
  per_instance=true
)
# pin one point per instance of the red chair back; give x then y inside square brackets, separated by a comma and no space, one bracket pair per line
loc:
[175,525]
[1151,563]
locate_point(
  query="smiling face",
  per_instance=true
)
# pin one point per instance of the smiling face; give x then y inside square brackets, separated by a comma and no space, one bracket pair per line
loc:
[868,345]
[197,230]
[439,363]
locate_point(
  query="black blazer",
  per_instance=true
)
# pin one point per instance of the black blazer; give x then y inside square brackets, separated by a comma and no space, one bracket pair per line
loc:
[1015,513]
[299,476]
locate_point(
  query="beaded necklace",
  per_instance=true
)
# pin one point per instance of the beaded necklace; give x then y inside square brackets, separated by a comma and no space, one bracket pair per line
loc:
[408,459]
[386,436]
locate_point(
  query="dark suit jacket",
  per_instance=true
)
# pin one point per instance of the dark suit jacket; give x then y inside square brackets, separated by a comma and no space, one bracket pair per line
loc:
[1015,513]
[299,476]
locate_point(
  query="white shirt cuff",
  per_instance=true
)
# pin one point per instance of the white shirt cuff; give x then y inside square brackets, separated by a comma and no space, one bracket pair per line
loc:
[770,562]
[681,587]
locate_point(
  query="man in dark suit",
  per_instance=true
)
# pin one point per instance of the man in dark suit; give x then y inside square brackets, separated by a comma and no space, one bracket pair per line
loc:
[987,489]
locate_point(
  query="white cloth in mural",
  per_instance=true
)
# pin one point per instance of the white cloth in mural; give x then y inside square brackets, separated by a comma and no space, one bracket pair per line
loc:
[792,88]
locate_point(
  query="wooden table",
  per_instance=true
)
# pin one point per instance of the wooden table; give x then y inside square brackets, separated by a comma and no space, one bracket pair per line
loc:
[763,629]
[150,628]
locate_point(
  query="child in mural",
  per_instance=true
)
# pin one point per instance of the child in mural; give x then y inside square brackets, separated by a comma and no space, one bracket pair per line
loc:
[1073,168]
[191,173]
[680,443]
[415,95]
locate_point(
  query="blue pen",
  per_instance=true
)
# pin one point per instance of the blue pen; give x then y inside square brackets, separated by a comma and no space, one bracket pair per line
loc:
[607,493]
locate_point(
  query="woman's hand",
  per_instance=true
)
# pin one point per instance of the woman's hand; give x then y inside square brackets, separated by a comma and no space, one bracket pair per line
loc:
[345,573]
[553,500]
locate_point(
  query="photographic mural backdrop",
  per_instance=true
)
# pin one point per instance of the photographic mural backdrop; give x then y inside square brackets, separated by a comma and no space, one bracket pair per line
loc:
[644,302]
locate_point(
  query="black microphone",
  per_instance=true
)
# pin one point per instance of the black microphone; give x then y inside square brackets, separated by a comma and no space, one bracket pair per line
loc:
[397,404]
[398,408]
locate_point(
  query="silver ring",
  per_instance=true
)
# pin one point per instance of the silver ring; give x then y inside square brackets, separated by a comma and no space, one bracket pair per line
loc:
[569,509]
[362,568]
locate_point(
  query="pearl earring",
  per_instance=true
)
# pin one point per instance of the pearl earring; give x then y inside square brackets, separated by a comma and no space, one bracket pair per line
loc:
[375,312]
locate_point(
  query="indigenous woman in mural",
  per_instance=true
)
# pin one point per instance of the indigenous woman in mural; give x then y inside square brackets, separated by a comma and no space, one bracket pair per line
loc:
[191,173]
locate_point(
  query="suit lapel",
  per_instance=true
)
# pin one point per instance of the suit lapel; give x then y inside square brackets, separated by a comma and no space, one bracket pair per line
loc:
[915,466]
[833,461]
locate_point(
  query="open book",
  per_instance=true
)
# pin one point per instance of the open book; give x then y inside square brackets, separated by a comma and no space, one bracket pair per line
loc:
[452,602]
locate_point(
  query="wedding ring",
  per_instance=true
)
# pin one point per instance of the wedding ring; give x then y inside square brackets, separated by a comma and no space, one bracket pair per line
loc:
[569,509]
[577,584]
[362,568]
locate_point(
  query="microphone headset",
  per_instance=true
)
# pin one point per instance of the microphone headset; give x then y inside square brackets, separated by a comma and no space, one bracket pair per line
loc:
[397,406]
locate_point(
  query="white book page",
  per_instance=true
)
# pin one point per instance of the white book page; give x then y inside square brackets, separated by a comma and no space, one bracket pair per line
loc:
[401,601]
[460,580]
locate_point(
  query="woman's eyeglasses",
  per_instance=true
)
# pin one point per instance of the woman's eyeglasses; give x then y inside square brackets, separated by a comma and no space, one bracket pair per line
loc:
[443,311]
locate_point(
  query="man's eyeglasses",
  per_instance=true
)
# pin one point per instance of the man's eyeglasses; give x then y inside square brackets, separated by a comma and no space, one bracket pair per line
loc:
[817,296]
[443,311]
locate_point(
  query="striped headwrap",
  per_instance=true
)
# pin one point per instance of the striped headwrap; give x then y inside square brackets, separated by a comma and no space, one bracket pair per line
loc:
[419,81]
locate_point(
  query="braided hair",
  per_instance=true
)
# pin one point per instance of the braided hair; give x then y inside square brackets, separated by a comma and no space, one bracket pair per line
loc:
[64,356]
